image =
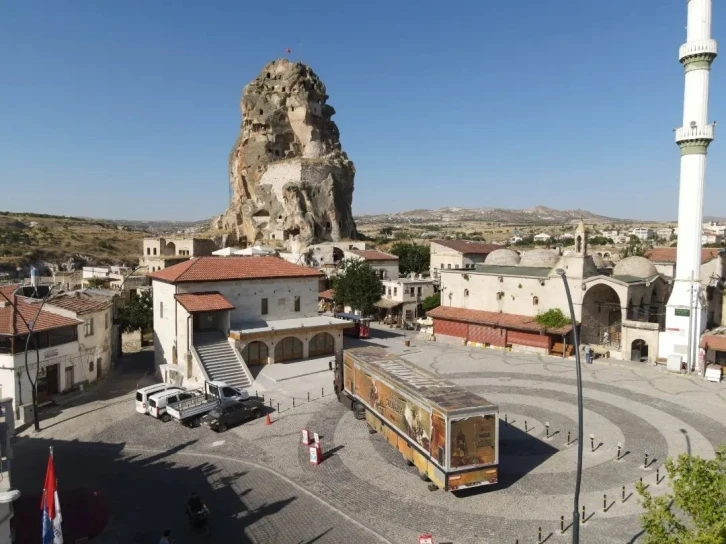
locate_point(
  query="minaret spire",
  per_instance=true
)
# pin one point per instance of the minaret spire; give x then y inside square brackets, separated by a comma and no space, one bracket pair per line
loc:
[685,315]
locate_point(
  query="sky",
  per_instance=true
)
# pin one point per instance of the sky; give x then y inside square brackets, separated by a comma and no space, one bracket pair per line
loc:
[128,110]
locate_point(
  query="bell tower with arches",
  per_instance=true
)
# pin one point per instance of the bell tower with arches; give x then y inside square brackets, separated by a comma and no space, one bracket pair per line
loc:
[581,239]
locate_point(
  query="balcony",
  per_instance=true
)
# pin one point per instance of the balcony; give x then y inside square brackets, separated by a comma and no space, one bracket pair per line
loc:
[702,47]
[685,134]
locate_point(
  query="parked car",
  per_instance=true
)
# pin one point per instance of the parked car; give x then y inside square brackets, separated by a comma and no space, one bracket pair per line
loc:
[143,394]
[157,403]
[204,400]
[233,413]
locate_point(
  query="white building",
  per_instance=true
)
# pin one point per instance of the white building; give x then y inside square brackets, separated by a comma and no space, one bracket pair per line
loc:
[609,234]
[455,254]
[216,316]
[713,226]
[542,237]
[385,264]
[643,233]
[158,253]
[402,298]
[73,337]
[7,431]
[710,237]
[664,233]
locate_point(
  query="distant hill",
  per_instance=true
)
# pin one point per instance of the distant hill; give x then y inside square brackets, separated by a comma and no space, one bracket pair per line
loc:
[539,215]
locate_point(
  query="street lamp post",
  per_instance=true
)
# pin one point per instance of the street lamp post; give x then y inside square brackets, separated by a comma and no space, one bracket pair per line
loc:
[578,479]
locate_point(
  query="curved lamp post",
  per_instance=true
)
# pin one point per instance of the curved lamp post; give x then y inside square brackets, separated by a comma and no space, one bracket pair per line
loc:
[578,479]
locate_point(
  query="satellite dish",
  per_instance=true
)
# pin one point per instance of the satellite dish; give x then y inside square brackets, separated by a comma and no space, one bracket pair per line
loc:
[693,124]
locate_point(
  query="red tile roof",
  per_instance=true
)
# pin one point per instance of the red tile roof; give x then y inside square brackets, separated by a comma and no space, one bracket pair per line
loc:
[8,290]
[373,255]
[668,254]
[507,321]
[79,303]
[207,301]
[201,269]
[466,246]
[327,295]
[715,342]
[12,324]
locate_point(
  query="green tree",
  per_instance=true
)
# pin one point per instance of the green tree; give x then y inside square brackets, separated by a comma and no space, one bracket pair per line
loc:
[699,497]
[429,303]
[357,285]
[386,231]
[412,257]
[552,319]
[635,248]
[138,314]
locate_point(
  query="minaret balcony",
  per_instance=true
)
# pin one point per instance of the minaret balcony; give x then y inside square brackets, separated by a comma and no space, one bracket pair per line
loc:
[702,47]
[685,134]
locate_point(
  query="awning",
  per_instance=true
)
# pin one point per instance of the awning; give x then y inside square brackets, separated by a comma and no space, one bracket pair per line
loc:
[387,304]
[208,301]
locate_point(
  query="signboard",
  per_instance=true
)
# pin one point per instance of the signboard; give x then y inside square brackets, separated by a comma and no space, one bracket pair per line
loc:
[50,353]
[316,454]
[316,438]
[305,437]
[682,312]
[472,441]
[426,539]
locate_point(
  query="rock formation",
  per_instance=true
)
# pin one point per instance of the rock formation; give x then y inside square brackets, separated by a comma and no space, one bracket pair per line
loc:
[289,178]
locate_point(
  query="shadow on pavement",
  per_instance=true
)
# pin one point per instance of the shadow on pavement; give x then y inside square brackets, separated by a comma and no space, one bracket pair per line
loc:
[128,497]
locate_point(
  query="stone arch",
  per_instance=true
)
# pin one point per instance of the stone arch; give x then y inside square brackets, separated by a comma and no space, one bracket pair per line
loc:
[256,353]
[289,348]
[601,316]
[321,344]
[170,248]
[638,350]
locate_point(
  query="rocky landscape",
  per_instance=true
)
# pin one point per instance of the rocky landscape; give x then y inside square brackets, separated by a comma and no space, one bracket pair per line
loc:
[290,180]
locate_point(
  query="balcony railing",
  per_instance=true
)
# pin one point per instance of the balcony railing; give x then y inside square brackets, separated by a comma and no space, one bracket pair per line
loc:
[689,49]
[704,132]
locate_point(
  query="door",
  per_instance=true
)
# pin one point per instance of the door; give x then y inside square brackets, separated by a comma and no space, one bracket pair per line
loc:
[69,378]
[52,379]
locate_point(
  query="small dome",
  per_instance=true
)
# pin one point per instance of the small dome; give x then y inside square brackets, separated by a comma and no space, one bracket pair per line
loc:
[540,258]
[503,257]
[599,261]
[640,267]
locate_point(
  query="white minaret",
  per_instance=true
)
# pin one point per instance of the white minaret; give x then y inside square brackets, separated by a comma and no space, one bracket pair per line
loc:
[685,314]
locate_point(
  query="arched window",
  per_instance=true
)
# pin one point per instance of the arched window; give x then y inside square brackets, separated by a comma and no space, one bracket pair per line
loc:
[578,245]
[466,292]
[535,300]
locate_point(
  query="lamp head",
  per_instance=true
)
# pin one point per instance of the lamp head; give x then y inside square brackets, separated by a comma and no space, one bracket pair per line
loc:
[560,272]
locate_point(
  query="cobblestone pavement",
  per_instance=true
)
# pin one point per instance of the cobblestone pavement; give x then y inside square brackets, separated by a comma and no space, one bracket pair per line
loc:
[638,406]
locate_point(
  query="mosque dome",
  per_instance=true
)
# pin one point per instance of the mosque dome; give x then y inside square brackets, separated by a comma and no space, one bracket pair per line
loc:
[503,257]
[640,267]
[540,258]
[598,260]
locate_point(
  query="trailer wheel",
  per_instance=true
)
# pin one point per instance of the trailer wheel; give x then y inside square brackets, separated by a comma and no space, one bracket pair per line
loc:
[408,461]
[423,475]
[166,418]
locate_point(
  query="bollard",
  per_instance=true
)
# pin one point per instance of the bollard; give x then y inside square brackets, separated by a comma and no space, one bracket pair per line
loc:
[568,438]
[604,503]
[583,513]
[641,479]
[623,496]
[657,476]
[592,443]
[562,525]
[256,395]
[547,430]
[308,396]
[278,406]
[645,461]
[293,402]
[539,535]
[322,392]
[619,447]
[525,426]
[270,402]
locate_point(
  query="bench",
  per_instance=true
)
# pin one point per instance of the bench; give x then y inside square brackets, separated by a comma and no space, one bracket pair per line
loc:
[558,348]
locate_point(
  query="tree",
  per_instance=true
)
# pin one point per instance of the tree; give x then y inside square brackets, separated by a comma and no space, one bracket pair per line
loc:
[138,314]
[635,248]
[429,303]
[357,286]
[412,257]
[552,319]
[97,282]
[699,495]
[386,231]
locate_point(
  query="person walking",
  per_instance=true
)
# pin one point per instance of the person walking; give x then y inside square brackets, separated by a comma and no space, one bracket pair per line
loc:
[588,355]
[166,538]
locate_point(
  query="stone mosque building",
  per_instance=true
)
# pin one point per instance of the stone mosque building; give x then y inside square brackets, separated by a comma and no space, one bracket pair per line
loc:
[621,310]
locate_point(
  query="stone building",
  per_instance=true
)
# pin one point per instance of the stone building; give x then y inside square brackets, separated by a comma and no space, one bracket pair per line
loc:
[401,302]
[214,317]
[159,253]
[620,313]
[385,264]
[447,254]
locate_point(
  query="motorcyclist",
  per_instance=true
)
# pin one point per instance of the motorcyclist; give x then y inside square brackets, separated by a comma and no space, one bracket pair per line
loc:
[196,509]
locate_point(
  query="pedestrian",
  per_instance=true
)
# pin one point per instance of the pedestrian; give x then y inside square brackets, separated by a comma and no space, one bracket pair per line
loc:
[166,539]
[588,355]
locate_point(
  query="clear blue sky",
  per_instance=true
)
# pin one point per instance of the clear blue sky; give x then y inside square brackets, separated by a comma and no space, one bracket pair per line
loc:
[128,109]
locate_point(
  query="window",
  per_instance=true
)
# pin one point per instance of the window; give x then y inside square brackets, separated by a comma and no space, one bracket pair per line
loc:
[161,309]
[442,266]
[395,291]
[105,320]
[449,266]
[456,267]
[535,300]
[409,315]
[466,292]
[148,251]
[420,291]
[389,291]
[88,327]
[154,251]
[90,365]
[263,310]
[297,304]
[413,291]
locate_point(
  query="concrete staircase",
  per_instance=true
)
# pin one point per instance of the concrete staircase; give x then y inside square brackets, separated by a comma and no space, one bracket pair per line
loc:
[220,360]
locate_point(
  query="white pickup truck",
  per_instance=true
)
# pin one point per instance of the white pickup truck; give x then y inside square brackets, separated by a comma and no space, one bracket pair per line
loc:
[204,400]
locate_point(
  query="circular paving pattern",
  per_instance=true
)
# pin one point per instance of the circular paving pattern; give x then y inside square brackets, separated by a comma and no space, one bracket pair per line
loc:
[536,470]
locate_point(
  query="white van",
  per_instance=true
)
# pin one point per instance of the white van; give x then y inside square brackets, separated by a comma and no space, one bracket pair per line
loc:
[158,402]
[143,394]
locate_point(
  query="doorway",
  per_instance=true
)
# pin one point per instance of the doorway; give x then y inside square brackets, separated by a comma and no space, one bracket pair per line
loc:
[639,351]
[51,379]
[69,378]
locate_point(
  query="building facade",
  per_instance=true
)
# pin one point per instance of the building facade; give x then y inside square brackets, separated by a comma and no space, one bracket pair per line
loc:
[401,302]
[385,264]
[456,254]
[243,311]
[159,253]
